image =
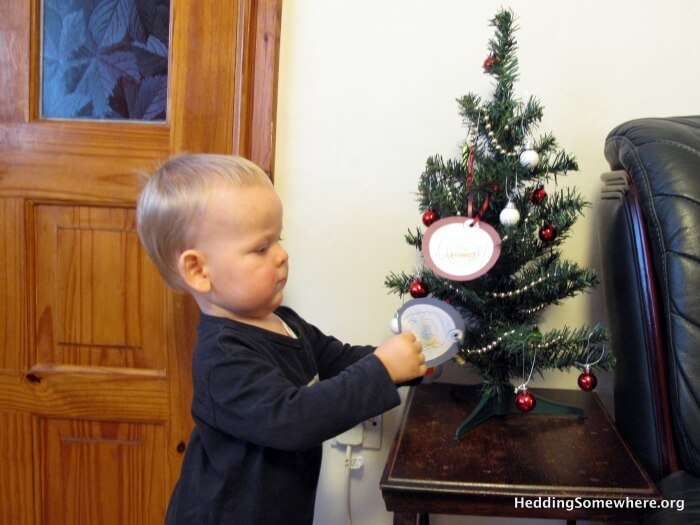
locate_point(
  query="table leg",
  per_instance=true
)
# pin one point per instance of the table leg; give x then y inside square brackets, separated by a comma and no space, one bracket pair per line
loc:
[408,518]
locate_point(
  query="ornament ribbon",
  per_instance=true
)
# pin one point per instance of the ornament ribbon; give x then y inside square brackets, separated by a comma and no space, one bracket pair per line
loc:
[470,197]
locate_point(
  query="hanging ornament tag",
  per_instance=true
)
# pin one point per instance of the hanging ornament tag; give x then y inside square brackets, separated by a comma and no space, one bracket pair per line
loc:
[437,326]
[460,249]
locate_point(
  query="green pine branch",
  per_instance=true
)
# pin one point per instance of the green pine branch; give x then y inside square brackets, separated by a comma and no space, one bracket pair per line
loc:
[502,49]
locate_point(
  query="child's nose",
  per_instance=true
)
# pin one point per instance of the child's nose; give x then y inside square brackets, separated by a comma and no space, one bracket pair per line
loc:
[282,256]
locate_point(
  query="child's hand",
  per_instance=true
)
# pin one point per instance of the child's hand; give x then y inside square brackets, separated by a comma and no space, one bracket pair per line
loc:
[402,357]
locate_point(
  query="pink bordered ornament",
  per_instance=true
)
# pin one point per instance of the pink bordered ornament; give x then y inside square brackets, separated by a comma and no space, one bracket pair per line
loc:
[461,249]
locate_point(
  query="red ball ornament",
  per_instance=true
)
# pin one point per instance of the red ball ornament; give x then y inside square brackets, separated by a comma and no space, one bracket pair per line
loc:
[490,61]
[587,381]
[524,400]
[538,195]
[430,216]
[548,233]
[418,289]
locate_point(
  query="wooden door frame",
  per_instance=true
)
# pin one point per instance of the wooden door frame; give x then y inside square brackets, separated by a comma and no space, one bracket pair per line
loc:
[253,79]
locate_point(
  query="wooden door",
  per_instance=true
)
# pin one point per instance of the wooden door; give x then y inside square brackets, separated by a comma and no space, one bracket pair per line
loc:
[94,350]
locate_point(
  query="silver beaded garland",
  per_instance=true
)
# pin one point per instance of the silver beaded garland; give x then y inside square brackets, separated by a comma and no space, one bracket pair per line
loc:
[494,140]
[487,348]
[518,291]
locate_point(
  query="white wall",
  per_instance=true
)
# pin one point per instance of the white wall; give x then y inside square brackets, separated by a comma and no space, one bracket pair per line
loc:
[367,92]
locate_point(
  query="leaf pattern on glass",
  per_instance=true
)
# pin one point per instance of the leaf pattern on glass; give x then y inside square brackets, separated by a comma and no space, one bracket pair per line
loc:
[105,59]
[108,22]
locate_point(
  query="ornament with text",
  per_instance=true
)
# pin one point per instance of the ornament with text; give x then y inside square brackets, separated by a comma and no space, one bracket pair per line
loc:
[461,249]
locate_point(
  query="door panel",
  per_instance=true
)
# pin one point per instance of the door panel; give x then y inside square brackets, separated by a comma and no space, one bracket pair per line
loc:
[75,456]
[98,298]
[95,379]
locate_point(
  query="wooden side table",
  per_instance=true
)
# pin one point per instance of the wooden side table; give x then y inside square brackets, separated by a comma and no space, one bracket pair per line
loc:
[544,463]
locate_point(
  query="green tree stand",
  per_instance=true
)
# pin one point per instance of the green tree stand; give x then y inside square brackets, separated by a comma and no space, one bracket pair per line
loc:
[502,403]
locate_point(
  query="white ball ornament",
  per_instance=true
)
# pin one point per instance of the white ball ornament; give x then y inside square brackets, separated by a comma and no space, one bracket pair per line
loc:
[529,158]
[509,215]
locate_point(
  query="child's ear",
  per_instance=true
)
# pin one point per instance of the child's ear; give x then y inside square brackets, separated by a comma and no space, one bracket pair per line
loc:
[192,267]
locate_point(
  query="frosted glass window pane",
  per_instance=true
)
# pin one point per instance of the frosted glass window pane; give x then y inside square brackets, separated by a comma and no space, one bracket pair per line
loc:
[105,59]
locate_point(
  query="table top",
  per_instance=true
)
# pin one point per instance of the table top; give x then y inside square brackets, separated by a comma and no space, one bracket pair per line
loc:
[521,455]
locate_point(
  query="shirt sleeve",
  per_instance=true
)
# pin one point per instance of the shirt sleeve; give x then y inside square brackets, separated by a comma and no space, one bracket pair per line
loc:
[251,399]
[331,355]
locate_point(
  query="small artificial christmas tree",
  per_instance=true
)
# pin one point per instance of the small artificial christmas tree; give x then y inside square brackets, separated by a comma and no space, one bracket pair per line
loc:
[505,184]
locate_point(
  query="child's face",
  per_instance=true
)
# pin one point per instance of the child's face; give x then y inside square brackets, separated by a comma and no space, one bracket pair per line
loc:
[245,262]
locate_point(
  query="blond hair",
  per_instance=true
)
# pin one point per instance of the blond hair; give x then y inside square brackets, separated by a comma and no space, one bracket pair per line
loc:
[175,197]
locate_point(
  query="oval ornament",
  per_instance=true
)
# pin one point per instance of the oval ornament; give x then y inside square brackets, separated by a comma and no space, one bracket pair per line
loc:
[460,249]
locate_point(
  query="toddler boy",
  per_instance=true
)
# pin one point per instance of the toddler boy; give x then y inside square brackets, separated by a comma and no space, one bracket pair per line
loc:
[269,387]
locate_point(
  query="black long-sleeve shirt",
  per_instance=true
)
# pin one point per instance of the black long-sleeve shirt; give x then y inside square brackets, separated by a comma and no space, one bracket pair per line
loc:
[263,404]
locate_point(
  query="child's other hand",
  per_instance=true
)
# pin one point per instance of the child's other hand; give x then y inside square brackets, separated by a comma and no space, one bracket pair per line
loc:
[402,357]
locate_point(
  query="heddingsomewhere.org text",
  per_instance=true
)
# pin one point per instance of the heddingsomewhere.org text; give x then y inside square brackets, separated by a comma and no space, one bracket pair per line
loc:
[572,504]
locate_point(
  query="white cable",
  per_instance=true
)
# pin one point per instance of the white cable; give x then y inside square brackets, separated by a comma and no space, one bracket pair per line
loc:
[348,460]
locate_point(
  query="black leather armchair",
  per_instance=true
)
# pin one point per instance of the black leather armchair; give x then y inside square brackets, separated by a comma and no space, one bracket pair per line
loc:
[649,233]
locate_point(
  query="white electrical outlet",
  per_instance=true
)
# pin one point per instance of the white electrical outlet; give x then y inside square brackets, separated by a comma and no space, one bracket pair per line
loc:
[352,436]
[372,433]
